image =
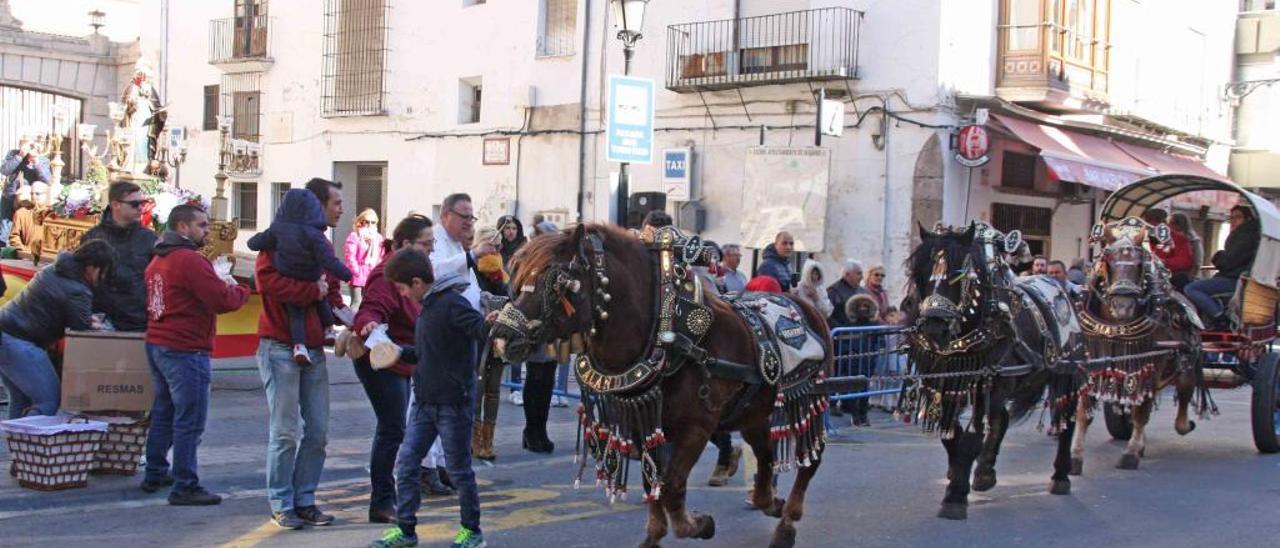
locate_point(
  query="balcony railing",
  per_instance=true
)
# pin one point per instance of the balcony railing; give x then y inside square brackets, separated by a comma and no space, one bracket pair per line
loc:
[240,39]
[799,46]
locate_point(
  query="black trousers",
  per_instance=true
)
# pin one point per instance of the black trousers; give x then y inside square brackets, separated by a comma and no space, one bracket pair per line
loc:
[723,440]
[539,381]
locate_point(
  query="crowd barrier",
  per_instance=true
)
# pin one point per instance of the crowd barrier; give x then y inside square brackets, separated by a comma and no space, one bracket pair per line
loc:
[874,352]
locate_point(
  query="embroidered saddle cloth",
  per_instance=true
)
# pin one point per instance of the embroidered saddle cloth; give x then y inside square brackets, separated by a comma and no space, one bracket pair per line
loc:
[786,340]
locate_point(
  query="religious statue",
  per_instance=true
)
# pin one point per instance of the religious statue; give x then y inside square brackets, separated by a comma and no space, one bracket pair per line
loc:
[144,120]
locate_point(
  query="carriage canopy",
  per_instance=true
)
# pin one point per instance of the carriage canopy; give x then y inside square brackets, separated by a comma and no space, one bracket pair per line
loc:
[1133,199]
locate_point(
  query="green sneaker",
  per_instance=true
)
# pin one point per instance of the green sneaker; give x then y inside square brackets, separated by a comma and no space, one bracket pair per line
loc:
[394,538]
[468,539]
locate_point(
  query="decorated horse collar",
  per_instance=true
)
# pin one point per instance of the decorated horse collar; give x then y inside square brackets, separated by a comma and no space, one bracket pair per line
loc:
[681,319]
[1094,326]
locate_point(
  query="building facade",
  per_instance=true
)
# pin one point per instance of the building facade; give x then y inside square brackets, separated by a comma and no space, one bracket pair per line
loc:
[406,102]
[1255,159]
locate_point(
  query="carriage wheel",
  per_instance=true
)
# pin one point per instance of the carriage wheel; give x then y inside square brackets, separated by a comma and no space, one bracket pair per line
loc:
[1266,404]
[1119,423]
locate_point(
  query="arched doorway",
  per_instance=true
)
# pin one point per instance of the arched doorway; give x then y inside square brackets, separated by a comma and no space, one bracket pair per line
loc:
[926,191]
[31,112]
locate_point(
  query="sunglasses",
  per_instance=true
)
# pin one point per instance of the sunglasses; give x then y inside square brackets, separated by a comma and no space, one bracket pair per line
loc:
[471,218]
[135,203]
[877,275]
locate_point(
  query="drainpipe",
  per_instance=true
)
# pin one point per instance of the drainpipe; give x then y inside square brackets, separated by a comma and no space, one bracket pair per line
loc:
[582,112]
[885,253]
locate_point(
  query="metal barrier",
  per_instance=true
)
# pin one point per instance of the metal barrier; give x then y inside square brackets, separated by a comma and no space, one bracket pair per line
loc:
[873,352]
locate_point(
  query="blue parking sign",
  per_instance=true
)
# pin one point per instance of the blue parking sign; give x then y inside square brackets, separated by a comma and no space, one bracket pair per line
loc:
[630,130]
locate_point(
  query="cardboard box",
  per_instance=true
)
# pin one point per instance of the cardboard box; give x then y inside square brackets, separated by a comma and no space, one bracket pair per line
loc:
[105,371]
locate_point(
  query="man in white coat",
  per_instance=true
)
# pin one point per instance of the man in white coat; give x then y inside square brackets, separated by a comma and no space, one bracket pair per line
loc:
[456,253]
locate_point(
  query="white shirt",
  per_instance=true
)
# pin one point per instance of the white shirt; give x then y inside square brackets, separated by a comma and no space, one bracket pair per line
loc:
[449,257]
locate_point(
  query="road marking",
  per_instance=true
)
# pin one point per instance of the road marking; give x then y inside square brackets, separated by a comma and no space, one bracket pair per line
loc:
[254,537]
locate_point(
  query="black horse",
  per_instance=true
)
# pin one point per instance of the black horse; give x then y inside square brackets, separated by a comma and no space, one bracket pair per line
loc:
[989,342]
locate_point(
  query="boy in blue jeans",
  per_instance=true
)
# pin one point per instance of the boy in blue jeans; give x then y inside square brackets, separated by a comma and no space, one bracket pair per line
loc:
[446,338]
[302,252]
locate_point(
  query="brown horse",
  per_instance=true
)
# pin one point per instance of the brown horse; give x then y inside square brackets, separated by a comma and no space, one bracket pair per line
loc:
[604,284]
[1130,309]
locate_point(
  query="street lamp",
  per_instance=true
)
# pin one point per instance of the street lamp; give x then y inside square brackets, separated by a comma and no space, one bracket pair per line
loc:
[629,17]
[218,204]
[95,20]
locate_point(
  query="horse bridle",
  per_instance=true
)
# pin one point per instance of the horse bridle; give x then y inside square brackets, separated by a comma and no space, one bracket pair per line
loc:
[557,285]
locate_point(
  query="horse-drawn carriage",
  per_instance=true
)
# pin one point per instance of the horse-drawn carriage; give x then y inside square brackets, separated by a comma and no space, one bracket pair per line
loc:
[1244,353]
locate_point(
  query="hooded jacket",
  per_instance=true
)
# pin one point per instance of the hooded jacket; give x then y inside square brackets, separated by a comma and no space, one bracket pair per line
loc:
[813,292]
[446,339]
[185,296]
[1237,254]
[278,290]
[776,267]
[297,239]
[360,256]
[122,295]
[385,305]
[55,300]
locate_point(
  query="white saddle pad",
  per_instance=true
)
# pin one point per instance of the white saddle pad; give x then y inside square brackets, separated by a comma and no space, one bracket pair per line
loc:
[796,342]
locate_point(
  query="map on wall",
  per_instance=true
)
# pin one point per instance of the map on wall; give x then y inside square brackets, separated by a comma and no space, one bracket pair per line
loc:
[786,189]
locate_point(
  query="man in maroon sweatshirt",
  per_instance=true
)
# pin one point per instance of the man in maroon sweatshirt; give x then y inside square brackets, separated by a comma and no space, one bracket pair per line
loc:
[184,297]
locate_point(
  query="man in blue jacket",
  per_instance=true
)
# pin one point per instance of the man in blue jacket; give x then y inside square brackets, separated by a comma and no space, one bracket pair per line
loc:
[446,339]
[776,263]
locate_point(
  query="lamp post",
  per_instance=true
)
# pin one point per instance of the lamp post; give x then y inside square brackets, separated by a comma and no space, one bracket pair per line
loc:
[95,20]
[629,17]
[218,204]
[176,153]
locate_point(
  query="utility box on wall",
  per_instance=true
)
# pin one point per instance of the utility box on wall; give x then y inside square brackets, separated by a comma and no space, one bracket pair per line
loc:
[692,217]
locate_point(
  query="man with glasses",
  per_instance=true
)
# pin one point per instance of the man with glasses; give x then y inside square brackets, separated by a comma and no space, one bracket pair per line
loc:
[457,254]
[730,278]
[124,295]
[1235,258]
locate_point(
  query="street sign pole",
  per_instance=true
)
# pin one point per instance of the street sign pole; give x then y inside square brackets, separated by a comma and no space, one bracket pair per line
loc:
[630,132]
[624,171]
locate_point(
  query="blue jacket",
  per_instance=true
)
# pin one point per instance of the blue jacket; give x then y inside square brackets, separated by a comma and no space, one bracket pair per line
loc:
[447,338]
[774,266]
[297,240]
[14,164]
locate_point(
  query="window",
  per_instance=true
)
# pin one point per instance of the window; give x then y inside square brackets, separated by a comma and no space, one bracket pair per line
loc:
[369,185]
[556,23]
[1032,221]
[250,29]
[775,58]
[211,107]
[245,112]
[355,52]
[1257,5]
[1018,171]
[241,98]
[1024,25]
[278,190]
[470,94]
[246,206]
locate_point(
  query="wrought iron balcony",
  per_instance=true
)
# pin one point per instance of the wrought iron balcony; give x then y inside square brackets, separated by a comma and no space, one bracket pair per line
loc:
[241,44]
[798,46]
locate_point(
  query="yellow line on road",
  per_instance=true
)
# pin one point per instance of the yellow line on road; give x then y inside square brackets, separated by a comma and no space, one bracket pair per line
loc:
[254,537]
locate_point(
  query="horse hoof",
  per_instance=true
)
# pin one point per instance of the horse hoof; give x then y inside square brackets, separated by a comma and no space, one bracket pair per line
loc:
[775,508]
[1077,467]
[984,480]
[706,526]
[1191,427]
[783,537]
[1128,462]
[954,510]
[1060,487]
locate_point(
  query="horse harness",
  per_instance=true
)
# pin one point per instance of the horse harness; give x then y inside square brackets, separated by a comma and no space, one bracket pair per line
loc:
[621,416]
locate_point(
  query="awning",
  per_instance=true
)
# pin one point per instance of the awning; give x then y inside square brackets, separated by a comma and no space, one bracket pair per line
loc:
[1077,157]
[1167,163]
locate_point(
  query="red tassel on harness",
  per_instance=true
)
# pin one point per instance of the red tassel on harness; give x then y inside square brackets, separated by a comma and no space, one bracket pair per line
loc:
[568,306]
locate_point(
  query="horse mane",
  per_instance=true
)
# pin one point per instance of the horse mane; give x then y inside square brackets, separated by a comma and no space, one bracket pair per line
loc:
[536,254]
[919,264]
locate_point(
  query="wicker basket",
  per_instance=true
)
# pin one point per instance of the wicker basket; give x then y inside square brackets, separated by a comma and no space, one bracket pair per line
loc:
[1259,303]
[51,453]
[122,447]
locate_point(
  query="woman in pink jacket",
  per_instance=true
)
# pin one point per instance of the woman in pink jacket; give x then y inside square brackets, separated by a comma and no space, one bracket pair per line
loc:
[363,252]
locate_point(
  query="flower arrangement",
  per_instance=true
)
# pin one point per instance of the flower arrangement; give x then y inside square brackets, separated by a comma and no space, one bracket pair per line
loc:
[163,198]
[78,200]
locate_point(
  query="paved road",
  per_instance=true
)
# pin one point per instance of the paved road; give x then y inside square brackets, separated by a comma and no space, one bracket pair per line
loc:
[879,486]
